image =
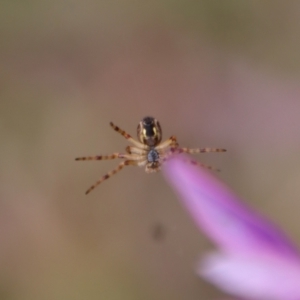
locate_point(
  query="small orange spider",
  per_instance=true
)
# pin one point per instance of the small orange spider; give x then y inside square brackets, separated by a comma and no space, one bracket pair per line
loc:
[148,151]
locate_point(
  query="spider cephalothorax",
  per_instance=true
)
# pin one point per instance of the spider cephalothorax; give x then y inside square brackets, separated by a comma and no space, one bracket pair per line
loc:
[148,151]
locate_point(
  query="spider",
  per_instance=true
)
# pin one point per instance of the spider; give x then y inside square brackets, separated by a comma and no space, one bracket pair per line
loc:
[148,151]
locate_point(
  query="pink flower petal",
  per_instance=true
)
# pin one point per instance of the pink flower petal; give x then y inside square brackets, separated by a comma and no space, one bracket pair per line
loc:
[253,277]
[256,260]
[221,215]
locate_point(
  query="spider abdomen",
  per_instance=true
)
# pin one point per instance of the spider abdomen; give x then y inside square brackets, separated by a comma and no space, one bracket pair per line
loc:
[149,132]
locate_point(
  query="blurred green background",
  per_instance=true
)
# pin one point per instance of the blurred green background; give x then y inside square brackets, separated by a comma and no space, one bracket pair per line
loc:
[214,73]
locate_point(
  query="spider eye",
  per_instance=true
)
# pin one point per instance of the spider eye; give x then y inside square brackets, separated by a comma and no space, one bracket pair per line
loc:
[149,132]
[148,121]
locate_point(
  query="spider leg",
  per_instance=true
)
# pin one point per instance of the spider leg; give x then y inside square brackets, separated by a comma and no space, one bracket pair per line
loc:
[113,172]
[135,150]
[174,151]
[99,157]
[196,163]
[199,150]
[169,142]
[111,156]
[128,137]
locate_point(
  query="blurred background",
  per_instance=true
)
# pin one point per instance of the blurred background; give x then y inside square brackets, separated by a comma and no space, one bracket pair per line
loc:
[214,73]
